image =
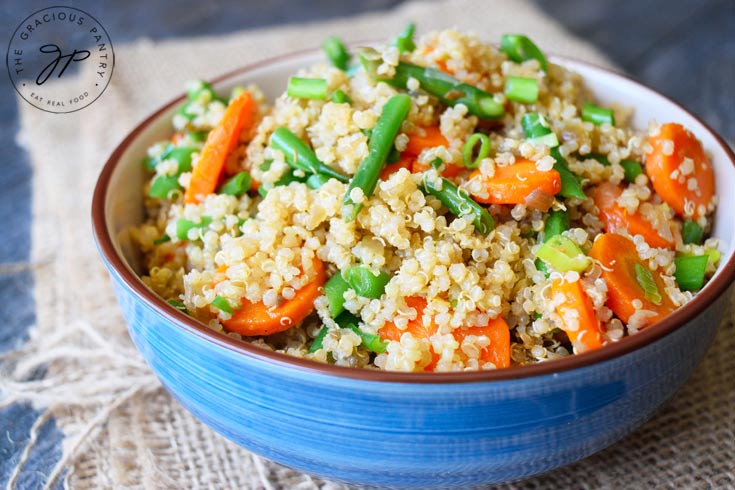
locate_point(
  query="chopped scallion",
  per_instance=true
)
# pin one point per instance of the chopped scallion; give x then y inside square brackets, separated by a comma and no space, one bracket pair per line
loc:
[184,225]
[549,140]
[645,280]
[556,223]
[307,88]
[563,254]
[534,125]
[469,157]
[521,89]
[222,304]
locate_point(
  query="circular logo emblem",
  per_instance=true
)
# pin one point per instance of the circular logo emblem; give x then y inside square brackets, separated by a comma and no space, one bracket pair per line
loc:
[54,45]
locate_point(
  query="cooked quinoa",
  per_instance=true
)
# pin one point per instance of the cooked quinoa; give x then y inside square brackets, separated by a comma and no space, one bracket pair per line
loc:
[451,293]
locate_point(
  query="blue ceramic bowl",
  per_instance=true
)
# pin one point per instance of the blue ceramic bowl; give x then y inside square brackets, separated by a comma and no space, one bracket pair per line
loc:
[403,429]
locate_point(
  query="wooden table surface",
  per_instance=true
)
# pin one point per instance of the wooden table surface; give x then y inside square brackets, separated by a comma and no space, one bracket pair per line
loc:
[683,49]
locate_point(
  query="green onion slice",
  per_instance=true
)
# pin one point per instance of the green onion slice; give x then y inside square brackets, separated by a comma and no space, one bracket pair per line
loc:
[645,280]
[556,224]
[222,304]
[469,150]
[563,254]
[307,88]
[521,89]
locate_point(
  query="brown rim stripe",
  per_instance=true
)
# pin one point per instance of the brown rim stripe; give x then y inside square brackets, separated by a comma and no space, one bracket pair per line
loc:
[683,315]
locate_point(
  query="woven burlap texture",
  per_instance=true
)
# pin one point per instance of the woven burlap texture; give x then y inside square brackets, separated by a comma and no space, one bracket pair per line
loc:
[122,430]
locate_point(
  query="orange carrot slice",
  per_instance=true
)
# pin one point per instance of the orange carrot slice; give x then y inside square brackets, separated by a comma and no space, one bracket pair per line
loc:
[406,162]
[498,352]
[221,141]
[258,319]
[512,184]
[578,314]
[430,137]
[618,256]
[616,218]
[666,167]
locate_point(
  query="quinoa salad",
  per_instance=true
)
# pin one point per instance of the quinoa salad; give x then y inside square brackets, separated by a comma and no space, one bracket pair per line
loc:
[433,204]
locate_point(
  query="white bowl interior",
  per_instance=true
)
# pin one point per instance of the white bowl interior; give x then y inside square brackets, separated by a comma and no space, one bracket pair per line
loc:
[124,209]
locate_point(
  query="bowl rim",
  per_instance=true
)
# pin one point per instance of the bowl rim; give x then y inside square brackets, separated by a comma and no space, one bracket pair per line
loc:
[119,267]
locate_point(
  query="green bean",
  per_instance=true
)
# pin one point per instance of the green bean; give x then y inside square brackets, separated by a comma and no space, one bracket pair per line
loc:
[520,48]
[315,181]
[597,115]
[339,97]
[299,156]
[632,169]
[163,185]
[182,156]
[336,51]
[447,89]
[469,150]
[371,342]
[599,157]
[691,232]
[318,342]
[288,177]
[184,225]
[334,290]
[404,41]
[366,284]
[570,186]
[459,202]
[237,185]
[556,223]
[380,144]
[690,272]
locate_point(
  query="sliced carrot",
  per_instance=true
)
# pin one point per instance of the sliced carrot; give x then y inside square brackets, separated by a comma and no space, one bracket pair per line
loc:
[450,170]
[258,319]
[512,184]
[416,327]
[578,309]
[618,256]
[666,173]
[427,137]
[221,141]
[498,352]
[616,218]
[406,162]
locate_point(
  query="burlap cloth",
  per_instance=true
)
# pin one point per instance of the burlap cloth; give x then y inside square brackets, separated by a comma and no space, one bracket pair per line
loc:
[122,430]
